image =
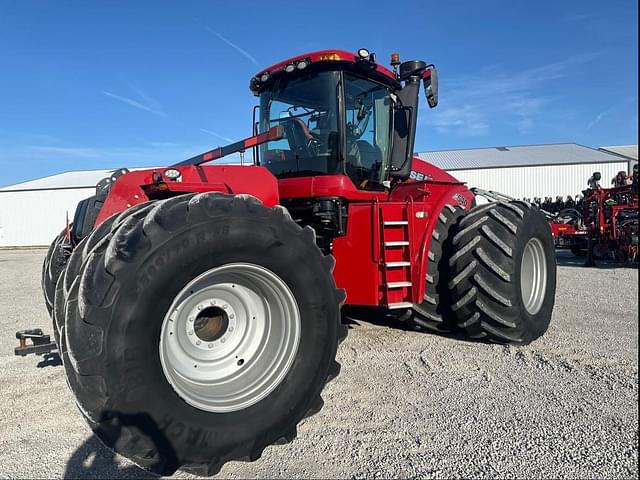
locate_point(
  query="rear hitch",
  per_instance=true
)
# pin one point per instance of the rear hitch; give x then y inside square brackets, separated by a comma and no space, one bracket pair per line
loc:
[40,343]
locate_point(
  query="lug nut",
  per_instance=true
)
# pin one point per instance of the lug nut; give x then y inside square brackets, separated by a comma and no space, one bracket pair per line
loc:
[231,329]
[190,332]
[210,345]
[198,342]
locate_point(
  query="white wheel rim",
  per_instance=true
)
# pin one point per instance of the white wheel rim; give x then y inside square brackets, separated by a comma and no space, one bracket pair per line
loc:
[230,337]
[533,276]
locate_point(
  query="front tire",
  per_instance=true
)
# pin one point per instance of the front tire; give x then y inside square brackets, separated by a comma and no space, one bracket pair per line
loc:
[503,273]
[81,252]
[142,286]
[52,268]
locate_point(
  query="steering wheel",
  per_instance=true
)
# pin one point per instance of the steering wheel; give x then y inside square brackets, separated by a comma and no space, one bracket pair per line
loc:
[313,145]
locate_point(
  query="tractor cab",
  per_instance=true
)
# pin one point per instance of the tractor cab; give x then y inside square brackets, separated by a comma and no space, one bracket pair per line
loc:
[342,115]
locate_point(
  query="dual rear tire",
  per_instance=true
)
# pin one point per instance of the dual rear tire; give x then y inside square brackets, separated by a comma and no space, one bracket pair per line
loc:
[497,274]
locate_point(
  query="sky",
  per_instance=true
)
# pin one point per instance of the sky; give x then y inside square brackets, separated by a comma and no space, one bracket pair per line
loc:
[106,84]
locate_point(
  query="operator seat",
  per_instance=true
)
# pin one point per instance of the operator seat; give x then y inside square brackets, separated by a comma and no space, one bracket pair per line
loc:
[299,136]
[370,155]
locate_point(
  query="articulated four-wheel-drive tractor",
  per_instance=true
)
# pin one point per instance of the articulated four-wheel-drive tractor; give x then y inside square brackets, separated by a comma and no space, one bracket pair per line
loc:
[197,308]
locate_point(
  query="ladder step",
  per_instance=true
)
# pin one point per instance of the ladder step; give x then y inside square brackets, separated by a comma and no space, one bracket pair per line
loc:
[392,223]
[398,284]
[392,306]
[397,264]
[396,244]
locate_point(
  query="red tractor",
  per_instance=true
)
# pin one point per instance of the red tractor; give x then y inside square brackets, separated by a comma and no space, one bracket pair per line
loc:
[197,308]
[606,227]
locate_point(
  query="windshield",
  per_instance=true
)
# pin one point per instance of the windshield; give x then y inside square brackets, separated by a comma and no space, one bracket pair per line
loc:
[307,109]
[368,124]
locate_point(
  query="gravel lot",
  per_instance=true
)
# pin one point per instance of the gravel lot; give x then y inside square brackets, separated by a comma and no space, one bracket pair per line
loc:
[406,404]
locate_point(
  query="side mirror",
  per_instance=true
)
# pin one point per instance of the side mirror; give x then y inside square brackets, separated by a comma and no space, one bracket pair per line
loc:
[430,82]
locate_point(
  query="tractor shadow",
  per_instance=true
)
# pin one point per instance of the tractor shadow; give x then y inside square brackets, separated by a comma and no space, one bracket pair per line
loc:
[93,459]
[568,259]
[353,316]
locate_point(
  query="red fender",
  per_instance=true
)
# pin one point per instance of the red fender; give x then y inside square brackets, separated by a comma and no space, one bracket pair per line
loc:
[142,185]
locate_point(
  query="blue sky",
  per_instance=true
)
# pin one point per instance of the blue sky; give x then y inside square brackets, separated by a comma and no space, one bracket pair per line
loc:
[97,84]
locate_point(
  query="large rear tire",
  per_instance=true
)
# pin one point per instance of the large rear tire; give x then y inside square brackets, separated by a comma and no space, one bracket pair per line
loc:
[136,339]
[434,313]
[503,273]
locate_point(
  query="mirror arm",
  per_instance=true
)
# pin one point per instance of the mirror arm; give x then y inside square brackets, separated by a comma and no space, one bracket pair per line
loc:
[256,158]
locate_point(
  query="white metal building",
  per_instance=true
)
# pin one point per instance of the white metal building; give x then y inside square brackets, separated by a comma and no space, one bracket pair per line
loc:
[534,170]
[33,213]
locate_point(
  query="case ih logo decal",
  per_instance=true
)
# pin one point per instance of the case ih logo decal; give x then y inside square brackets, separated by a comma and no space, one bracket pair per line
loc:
[419,177]
[461,199]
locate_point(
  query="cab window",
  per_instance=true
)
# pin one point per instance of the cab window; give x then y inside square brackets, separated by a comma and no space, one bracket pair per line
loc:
[367,132]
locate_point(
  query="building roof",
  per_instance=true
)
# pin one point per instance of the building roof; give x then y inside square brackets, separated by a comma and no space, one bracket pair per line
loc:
[518,156]
[629,151]
[66,180]
[466,159]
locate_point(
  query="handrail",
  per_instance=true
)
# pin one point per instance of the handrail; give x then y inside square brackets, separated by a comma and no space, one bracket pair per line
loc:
[274,133]
[375,220]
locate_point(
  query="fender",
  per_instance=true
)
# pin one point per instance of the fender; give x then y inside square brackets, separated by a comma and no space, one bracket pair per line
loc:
[140,186]
[422,171]
[457,196]
[435,188]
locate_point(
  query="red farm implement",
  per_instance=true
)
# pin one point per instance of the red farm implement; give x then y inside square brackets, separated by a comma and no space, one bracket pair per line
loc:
[605,228]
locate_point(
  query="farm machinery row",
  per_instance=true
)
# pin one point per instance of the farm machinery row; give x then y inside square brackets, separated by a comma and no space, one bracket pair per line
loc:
[606,227]
[197,308]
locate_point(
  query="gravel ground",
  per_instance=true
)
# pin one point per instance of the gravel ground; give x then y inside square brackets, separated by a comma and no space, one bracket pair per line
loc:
[406,404]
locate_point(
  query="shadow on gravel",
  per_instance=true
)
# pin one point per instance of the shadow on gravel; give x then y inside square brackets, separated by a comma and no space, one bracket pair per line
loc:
[567,259]
[50,360]
[354,315]
[93,459]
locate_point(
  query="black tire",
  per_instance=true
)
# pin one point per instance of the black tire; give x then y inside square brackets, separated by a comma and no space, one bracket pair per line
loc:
[52,267]
[486,273]
[434,314]
[115,312]
[79,255]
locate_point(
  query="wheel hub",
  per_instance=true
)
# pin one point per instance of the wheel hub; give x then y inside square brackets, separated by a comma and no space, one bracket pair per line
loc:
[230,337]
[533,276]
[211,324]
